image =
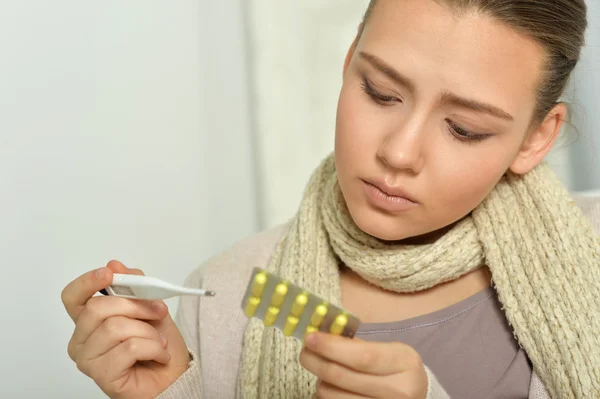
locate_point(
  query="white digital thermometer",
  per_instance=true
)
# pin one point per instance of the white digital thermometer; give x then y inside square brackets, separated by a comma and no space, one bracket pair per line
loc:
[149,288]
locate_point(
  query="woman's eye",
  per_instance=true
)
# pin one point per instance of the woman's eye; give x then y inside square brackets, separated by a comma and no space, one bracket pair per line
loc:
[464,135]
[379,98]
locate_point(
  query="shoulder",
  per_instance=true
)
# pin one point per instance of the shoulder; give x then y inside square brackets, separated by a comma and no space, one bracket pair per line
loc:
[237,262]
[227,274]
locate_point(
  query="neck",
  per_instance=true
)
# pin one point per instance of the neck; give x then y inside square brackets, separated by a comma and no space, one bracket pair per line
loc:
[373,304]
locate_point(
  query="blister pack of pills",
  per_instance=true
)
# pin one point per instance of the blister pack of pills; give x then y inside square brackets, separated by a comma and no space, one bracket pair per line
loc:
[293,310]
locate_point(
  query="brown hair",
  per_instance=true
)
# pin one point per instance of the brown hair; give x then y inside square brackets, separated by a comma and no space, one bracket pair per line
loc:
[558,25]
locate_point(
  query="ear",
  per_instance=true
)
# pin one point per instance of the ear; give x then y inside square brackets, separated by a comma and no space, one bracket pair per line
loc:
[539,142]
[350,52]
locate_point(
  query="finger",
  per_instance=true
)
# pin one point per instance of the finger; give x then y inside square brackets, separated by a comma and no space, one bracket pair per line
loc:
[76,294]
[118,267]
[127,353]
[328,391]
[98,309]
[115,330]
[375,358]
[115,363]
[341,377]
[165,326]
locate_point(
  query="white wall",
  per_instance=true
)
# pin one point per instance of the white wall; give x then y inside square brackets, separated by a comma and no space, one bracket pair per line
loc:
[124,134]
[585,91]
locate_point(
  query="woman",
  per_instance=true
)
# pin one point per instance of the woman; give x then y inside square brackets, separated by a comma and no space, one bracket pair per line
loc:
[436,222]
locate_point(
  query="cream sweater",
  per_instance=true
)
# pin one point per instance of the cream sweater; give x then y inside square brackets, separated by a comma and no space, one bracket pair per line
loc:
[213,328]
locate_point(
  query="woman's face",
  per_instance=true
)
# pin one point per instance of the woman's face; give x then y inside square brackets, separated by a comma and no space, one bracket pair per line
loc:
[433,111]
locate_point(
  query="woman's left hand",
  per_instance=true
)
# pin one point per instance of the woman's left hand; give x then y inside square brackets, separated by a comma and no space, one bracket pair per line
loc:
[353,368]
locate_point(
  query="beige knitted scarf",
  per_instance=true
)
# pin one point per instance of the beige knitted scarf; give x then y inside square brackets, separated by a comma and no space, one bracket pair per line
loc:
[543,254]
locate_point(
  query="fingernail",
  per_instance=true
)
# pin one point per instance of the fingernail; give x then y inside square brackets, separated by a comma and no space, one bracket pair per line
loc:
[157,305]
[100,273]
[310,340]
[163,339]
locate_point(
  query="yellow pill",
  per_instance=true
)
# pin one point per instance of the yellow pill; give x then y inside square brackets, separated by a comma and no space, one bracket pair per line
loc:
[271,315]
[299,304]
[260,280]
[337,327]
[279,294]
[310,330]
[251,306]
[290,325]
[318,315]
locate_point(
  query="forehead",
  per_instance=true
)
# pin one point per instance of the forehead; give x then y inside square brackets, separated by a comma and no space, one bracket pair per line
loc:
[469,54]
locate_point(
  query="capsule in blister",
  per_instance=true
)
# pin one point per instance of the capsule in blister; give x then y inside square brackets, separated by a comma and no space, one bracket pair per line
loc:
[299,304]
[279,294]
[251,306]
[290,325]
[338,325]
[258,285]
[271,316]
[318,315]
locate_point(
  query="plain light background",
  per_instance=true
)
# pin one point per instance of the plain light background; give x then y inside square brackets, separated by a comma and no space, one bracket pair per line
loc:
[158,133]
[124,133]
[584,94]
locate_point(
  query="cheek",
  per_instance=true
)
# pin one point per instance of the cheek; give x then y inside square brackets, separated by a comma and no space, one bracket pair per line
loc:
[357,128]
[460,183]
[348,135]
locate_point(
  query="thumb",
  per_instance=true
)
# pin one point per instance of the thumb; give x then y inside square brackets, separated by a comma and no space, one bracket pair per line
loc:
[117,267]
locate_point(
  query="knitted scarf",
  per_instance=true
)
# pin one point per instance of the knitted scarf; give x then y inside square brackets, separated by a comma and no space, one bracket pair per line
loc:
[543,254]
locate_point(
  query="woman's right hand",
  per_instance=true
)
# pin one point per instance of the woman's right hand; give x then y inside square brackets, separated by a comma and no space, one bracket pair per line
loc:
[131,348]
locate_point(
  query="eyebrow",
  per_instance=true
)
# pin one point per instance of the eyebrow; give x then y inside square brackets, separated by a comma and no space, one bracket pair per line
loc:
[447,98]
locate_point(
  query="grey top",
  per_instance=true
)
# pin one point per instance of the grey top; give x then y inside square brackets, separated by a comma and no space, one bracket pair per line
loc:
[469,346]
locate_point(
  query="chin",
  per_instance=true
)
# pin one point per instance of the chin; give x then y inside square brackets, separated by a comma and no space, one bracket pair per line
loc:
[381,226]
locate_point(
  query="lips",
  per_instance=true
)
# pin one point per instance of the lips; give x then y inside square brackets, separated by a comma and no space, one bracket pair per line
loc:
[391,191]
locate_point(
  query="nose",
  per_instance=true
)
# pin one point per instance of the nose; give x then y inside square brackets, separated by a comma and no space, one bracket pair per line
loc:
[403,149]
